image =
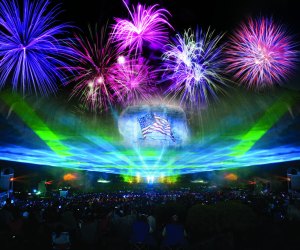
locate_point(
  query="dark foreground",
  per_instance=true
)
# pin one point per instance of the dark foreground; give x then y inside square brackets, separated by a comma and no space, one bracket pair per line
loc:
[208,219]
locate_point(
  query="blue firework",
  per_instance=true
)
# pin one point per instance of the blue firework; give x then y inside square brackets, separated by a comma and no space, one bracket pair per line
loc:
[32,52]
[193,65]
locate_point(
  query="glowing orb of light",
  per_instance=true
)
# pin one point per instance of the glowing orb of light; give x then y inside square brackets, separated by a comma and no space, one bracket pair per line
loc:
[121,60]
[70,177]
[231,177]
[100,80]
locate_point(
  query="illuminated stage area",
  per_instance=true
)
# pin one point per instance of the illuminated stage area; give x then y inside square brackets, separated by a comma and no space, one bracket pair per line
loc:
[250,130]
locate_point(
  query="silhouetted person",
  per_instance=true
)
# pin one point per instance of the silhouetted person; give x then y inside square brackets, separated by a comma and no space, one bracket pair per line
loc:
[174,234]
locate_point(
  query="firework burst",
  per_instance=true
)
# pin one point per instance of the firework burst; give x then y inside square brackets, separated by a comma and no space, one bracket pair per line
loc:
[193,65]
[260,53]
[135,82]
[94,63]
[30,49]
[147,25]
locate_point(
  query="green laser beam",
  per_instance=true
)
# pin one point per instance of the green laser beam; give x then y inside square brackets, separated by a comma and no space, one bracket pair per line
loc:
[262,126]
[31,119]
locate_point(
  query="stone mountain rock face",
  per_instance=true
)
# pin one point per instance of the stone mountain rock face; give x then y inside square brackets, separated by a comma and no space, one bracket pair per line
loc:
[130,126]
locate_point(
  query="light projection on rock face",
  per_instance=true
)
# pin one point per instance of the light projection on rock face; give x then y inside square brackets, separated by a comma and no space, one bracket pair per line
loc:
[252,130]
[157,126]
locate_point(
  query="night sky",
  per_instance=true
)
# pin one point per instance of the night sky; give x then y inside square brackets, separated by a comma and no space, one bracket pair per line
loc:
[222,15]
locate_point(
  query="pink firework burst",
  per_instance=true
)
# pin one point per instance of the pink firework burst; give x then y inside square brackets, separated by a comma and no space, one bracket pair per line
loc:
[147,25]
[134,82]
[94,63]
[261,53]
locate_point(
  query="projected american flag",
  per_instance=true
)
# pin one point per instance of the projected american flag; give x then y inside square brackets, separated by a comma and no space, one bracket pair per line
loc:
[152,122]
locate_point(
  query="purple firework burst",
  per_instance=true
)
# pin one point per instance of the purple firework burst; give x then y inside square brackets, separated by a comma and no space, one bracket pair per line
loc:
[94,62]
[260,53]
[147,25]
[193,65]
[30,49]
[135,81]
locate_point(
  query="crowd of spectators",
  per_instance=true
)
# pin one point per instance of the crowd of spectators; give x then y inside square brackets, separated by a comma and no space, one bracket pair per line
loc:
[182,219]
